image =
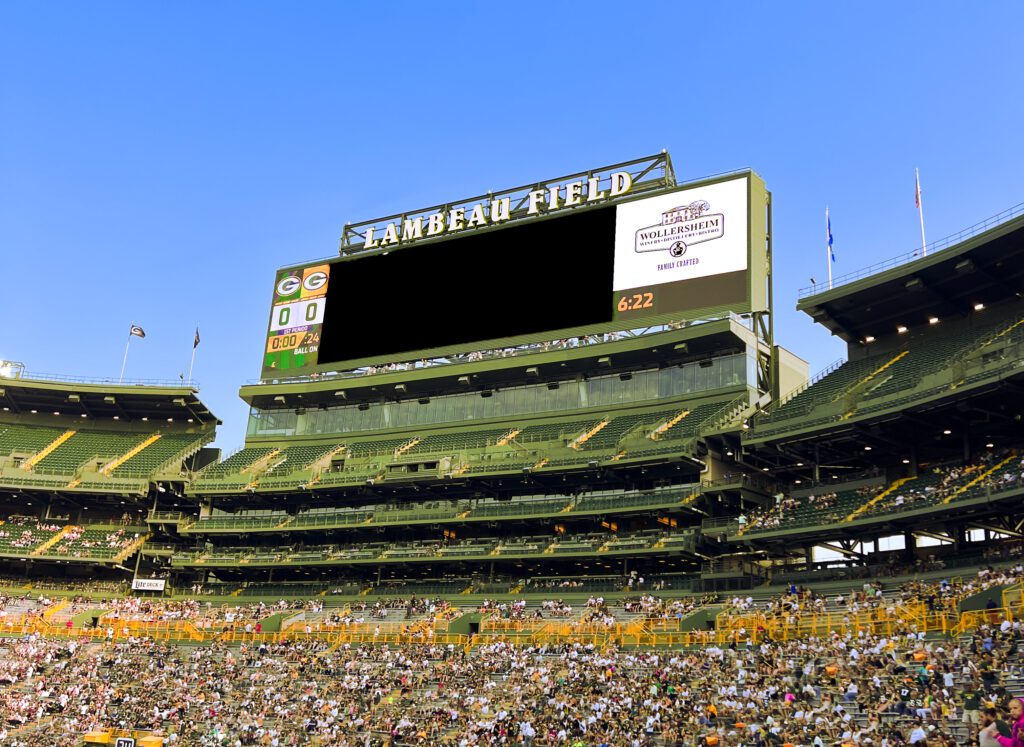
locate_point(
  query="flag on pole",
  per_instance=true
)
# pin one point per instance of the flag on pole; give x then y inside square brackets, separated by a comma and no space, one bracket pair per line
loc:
[136,331]
[195,342]
[828,226]
[920,211]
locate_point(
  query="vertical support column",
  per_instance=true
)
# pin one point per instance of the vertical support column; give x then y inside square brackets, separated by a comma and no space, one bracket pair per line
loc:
[773,363]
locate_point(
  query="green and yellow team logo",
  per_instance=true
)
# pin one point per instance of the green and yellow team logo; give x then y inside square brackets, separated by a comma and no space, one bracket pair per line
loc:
[296,317]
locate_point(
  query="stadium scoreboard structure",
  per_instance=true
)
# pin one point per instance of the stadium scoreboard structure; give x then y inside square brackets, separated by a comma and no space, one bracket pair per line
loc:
[617,248]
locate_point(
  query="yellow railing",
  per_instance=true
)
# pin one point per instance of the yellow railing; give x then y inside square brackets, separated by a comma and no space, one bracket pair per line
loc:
[646,633]
[790,626]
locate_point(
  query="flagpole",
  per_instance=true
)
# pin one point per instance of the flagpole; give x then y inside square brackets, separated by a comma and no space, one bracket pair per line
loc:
[828,250]
[920,212]
[124,361]
[190,365]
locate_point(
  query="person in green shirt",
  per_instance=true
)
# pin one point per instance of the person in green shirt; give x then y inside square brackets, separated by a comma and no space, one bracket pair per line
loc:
[972,706]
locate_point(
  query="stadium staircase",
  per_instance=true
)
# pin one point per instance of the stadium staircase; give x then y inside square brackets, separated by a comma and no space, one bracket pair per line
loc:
[877,499]
[980,478]
[111,466]
[131,549]
[32,461]
[581,439]
[50,542]
[667,425]
[508,437]
[406,446]
[853,394]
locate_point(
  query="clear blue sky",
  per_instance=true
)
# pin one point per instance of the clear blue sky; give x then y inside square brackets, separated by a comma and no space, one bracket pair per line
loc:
[158,161]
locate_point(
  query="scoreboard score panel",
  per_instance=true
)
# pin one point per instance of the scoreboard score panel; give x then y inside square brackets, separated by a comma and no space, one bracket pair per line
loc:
[296,318]
[693,250]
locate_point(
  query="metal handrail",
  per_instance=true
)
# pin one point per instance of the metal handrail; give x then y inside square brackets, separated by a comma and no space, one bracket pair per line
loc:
[812,381]
[64,378]
[506,352]
[918,254]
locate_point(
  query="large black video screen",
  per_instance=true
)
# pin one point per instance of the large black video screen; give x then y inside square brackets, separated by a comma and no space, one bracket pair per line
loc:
[521,280]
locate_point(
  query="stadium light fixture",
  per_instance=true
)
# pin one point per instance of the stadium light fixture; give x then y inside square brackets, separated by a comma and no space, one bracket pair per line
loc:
[799,464]
[117,417]
[33,411]
[933,320]
[798,482]
[901,329]
[979,306]
[83,415]
[56,412]
[869,339]
[946,432]
[145,419]
[989,446]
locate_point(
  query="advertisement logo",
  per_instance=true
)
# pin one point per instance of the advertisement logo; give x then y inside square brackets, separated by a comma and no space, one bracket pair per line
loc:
[680,228]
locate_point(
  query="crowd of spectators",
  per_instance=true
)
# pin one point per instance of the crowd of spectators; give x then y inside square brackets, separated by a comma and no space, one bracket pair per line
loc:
[855,689]
[23,532]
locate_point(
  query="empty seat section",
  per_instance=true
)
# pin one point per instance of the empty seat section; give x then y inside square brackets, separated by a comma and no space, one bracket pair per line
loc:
[925,356]
[159,453]
[609,436]
[691,423]
[828,388]
[375,448]
[563,431]
[520,508]
[236,462]
[295,458]
[450,442]
[85,446]
[26,439]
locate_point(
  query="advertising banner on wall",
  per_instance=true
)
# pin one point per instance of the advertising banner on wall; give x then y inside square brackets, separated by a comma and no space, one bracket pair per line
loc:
[683,250]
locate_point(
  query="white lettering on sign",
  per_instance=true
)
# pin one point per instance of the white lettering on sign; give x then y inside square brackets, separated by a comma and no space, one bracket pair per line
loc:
[482,214]
[148,584]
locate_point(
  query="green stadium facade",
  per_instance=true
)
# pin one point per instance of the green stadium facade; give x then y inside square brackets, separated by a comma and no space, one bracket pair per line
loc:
[694,454]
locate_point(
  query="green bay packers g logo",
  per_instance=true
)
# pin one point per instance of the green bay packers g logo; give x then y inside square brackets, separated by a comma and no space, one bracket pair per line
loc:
[288,286]
[314,281]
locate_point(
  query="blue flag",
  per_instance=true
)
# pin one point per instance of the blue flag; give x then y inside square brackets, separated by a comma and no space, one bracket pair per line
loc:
[828,222]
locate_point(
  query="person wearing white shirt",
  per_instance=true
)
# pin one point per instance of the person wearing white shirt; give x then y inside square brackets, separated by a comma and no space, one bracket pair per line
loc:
[918,734]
